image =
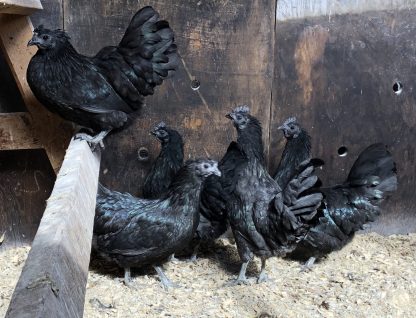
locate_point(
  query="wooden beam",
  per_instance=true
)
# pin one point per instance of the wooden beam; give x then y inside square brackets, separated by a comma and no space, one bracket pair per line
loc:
[54,278]
[51,131]
[16,132]
[24,7]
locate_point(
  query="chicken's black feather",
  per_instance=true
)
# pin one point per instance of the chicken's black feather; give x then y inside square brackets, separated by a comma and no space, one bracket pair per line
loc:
[216,193]
[166,165]
[100,92]
[134,232]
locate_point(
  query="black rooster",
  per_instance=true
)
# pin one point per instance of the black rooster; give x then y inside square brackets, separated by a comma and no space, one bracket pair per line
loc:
[257,208]
[100,92]
[348,207]
[134,232]
[345,208]
[167,164]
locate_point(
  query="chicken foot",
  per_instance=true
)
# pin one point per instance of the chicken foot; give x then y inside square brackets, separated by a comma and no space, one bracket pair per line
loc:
[308,265]
[262,276]
[166,282]
[241,279]
[93,141]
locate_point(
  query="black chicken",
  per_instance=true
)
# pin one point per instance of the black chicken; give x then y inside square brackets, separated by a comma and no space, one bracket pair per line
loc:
[167,164]
[257,208]
[134,232]
[345,208]
[348,207]
[100,92]
[296,151]
[215,195]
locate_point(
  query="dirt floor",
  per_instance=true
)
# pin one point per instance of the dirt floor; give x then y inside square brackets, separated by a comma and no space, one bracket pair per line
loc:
[374,276]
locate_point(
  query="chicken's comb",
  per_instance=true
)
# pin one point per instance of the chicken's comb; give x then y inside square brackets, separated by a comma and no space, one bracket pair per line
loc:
[290,120]
[242,109]
[161,125]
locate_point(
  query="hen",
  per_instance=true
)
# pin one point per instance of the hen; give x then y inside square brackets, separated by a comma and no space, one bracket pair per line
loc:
[134,232]
[215,195]
[100,92]
[256,208]
[297,150]
[167,164]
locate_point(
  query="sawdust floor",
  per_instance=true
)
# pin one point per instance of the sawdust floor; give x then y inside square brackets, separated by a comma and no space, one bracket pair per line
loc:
[374,276]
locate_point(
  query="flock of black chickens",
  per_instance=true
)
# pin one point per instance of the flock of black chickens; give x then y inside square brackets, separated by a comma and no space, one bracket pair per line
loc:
[184,204]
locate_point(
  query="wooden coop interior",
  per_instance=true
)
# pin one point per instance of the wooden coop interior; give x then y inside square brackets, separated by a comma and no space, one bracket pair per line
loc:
[345,69]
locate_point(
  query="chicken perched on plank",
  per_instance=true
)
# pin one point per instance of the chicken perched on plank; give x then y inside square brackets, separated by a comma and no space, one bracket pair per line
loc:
[167,164]
[100,92]
[133,232]
[257,208]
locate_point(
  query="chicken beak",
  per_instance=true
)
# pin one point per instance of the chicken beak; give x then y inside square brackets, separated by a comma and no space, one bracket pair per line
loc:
[31,42]
[217,172]
[281,128]
[229,116]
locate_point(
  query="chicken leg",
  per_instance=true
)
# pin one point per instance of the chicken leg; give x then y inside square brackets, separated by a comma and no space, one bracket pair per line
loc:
[166,282]
[308,265]
[262,276]
[241,279]
[127,278]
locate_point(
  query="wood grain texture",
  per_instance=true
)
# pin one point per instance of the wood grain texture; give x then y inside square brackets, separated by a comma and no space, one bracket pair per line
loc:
[26,182]
[52,132]
[226,45]
[54,278]
[16,132]
[24,7]
[337,77]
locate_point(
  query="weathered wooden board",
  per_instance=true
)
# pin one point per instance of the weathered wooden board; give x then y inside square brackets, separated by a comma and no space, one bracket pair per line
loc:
[24,7]
[226,45]
[54,278]
[16,132]
[26,181]
[52,16]
[337,77]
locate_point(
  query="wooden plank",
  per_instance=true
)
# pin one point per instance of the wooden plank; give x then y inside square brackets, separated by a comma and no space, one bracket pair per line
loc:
[299,9]
[27,180]
[337,77]
[226,45]
[16,132]
[24,7]
[53,280]
[51,131]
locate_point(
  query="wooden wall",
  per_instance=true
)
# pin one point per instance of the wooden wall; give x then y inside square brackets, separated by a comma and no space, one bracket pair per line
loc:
[335,72]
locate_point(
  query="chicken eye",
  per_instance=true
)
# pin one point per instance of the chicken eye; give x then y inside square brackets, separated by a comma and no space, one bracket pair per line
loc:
[239,117]
[45,37]
[292,127]
[206,166]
